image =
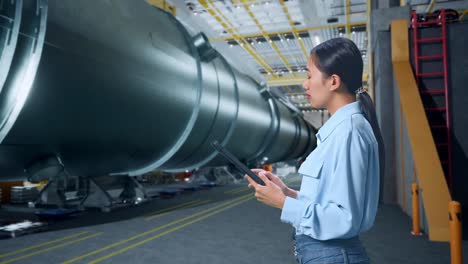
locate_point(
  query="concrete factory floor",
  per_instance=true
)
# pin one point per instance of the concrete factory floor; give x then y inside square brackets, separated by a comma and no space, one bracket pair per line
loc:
[224,224]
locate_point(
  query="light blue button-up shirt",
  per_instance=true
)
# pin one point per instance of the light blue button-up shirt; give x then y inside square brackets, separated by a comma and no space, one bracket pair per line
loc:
[340,180]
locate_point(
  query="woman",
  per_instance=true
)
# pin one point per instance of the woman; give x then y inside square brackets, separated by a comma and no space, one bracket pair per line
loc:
[339,191]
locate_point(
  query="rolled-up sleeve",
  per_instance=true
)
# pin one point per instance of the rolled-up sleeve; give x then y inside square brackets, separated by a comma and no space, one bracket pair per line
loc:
[339,211]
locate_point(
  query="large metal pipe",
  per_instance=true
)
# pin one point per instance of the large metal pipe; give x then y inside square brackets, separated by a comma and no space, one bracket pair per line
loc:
[122,88]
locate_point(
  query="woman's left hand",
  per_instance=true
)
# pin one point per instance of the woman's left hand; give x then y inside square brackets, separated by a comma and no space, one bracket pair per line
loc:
[270,194]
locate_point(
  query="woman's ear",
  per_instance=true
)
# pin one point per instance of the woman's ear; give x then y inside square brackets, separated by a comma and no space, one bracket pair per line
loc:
[334,82]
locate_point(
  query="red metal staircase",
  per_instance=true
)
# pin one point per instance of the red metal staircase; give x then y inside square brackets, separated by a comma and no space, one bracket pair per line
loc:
[441,126]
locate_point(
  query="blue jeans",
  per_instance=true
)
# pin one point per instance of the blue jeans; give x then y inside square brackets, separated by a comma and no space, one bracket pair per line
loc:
[312,251]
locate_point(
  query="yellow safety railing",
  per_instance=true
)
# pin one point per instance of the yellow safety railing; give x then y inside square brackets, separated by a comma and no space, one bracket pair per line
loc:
[431,6]
[434,190]
[433,186]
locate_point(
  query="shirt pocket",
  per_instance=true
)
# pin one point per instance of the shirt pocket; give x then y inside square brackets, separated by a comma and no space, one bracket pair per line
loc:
[311,168]
[312,174]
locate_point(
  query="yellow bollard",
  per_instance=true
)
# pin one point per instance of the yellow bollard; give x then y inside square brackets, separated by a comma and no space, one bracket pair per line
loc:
[416,228]
[455,232]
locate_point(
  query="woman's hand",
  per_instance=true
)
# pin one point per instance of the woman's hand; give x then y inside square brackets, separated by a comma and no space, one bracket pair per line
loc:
[270,194]
[275,179]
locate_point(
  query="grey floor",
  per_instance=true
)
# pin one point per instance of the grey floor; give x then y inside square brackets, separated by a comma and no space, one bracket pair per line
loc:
[217,228]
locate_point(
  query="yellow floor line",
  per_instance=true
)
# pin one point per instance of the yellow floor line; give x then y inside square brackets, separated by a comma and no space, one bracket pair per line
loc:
[152,230]
[43,244]
[183,207]
[166,232]
[49,249]
[243,190]
[233,190]
[171,208]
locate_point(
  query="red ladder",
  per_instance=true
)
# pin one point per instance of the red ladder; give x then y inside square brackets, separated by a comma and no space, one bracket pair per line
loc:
[444,146]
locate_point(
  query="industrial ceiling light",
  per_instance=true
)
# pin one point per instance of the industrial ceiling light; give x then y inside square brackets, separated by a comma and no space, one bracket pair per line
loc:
[316,40]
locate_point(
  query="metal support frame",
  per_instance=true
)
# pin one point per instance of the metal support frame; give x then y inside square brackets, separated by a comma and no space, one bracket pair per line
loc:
[50,194]
[97,195]
[56,189]
[223,176]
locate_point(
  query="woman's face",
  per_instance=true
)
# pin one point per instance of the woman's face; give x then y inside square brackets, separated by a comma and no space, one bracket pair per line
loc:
[315,86]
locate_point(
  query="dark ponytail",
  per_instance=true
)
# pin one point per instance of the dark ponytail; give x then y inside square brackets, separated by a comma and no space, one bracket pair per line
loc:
[368,110]
[342,57]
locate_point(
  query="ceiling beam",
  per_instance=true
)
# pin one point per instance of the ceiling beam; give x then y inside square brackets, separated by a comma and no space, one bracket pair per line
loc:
[217,14]
[293,27]
[285,81]
[297,80]
[431,6]
[267,38]
[348,17]
[302,30]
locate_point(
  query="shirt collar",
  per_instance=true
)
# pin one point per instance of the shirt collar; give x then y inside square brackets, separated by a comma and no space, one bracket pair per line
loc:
[339,116]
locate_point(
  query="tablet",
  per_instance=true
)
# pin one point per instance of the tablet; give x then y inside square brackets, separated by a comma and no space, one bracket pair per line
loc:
[234,161]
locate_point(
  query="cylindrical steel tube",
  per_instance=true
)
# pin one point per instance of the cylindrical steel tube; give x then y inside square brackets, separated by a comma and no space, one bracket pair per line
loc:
[132,91]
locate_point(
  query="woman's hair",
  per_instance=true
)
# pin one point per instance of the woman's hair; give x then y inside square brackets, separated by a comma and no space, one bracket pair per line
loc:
[342,57]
